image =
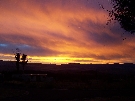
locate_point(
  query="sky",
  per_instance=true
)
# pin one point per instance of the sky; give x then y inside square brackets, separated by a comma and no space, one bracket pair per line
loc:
[63,31]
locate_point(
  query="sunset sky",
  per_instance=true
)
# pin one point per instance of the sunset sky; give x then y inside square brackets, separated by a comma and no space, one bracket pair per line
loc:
[63,31]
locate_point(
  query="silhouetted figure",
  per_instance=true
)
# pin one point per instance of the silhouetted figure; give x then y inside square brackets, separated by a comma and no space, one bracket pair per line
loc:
[24,61]
[17,56]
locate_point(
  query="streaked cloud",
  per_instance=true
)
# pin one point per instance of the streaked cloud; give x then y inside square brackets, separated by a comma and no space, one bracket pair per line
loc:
[70,29]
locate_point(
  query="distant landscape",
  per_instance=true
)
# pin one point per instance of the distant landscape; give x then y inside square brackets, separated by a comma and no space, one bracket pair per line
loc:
[73,82]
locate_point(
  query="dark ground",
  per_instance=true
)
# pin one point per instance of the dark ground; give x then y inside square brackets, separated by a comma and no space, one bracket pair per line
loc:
[69,85]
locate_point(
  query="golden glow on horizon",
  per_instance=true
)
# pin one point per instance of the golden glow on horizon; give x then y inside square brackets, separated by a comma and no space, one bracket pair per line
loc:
[61,60]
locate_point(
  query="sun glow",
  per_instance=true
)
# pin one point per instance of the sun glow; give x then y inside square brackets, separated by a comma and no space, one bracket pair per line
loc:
[59,60]
[62,60]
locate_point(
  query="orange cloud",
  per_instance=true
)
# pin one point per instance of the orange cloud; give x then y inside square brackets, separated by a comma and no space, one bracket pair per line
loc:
[62,29]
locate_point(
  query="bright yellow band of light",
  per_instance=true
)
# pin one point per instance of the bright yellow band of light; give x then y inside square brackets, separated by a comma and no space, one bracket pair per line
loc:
[60,60]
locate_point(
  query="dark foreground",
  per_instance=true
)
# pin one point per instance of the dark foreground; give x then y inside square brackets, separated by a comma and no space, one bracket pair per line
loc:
[38,94]
[90,85]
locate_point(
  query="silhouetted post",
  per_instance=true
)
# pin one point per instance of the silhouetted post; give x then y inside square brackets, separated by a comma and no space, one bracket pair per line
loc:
[24,60]
[17,56]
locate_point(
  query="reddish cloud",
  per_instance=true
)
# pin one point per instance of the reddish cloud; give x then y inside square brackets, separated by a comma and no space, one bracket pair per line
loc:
[63,28]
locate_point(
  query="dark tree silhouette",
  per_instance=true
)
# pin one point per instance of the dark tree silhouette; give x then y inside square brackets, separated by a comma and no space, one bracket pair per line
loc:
[23,58]
[24,61]
[17,57]
[124,12]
